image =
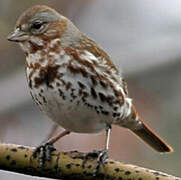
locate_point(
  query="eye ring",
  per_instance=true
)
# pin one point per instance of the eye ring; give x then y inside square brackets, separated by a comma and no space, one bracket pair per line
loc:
[37,25]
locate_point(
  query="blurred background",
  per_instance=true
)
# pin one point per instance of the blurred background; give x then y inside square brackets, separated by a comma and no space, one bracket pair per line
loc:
[144,40]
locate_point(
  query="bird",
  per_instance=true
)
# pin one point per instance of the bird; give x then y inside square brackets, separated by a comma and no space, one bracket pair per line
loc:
[75,82]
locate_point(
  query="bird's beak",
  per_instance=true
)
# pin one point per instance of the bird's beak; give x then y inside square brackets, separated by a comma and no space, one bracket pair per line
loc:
[18,36]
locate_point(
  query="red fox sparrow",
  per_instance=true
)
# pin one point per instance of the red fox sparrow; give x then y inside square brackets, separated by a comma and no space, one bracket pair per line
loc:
[74,82]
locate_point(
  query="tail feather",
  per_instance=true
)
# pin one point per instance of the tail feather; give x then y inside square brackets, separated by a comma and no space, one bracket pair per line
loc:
[152,139]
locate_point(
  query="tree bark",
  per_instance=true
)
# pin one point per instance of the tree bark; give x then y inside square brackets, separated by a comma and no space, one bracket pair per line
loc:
[67,166]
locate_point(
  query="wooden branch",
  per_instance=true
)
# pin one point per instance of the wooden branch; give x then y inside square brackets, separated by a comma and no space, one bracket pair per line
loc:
[67,165]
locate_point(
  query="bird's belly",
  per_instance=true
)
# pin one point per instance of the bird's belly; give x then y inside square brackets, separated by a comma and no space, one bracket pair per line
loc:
[72,115]
[79,119]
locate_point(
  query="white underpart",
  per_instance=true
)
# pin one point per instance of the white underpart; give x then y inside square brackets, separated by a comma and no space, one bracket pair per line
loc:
[71,115]
[25,46]
[33,58]
[36,40]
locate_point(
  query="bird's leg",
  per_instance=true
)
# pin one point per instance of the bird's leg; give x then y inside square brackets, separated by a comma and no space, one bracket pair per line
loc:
[101,155]
[45,150]
[53,130]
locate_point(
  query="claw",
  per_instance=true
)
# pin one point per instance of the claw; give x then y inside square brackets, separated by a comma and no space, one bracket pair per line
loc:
[45,152]
[101,156]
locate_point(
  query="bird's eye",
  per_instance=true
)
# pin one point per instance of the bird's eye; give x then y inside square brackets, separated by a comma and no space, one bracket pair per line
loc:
[36,25]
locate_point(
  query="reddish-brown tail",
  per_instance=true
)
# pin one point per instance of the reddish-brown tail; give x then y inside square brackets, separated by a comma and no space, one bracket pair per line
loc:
[152,139]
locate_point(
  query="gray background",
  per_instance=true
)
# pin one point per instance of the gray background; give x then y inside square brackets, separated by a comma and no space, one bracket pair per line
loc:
[144,40]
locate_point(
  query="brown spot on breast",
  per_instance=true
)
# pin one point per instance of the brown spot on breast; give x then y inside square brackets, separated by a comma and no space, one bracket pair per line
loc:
[85,94]
[63,82]
[57,84]
[47,75]
[68,85]
[36,66]
[44,100]
[28,65]
[80,92]
[56,48]
[102,97]
[52,73]
[105,112]
[118,93]
[43,53]
[30,83]
[41,59]
[94,80]
[93,93]
[35,47]
[60,92]
[72,69]
[82,86]
[83,71]
[33,68]
[110,99]
[103,84]
[41,78]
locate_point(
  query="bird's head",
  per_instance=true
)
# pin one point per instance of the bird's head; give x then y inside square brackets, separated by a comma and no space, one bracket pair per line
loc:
[40,24]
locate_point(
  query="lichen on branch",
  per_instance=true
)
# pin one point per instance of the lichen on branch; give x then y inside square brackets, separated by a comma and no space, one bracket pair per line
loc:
[68,166]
